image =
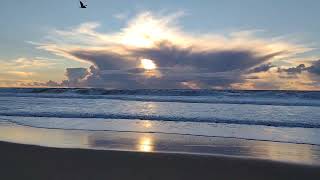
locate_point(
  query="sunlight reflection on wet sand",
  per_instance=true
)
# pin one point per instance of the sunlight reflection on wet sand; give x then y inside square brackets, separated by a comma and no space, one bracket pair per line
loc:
[294,152]
[146,142]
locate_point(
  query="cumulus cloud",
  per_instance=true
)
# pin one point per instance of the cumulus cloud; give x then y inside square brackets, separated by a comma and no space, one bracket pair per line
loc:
[300,77]
[75,76]
[314,68]
[180,59]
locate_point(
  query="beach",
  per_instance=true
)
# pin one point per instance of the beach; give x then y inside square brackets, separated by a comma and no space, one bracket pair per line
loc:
[64,154]
[100,134]
[35,162]
[159,90]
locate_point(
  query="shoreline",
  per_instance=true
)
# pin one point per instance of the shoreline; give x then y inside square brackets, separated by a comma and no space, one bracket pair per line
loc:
[20,161]
[55,154]
[300,154]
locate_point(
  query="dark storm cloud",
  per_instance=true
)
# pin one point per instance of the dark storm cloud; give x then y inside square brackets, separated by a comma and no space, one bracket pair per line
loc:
[168,55]
[175,66]
[104,59]
[183,59]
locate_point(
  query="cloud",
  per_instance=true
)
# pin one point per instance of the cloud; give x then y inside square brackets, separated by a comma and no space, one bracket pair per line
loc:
[21,68]
[168,55]
[300,77]
[183,59]
[22,71]
[295,70]
[262,68]
[26,63]
[176,66]
[315,68]
[50,83]
[76,75]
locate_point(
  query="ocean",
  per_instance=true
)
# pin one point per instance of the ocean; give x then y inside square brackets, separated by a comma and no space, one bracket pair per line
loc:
[277,116]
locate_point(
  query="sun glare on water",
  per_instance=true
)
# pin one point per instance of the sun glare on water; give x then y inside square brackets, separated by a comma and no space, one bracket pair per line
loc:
[148,64]
[146,144]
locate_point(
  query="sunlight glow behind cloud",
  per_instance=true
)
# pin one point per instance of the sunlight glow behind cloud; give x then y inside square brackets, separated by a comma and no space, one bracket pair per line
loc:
[148,64]
[179,59]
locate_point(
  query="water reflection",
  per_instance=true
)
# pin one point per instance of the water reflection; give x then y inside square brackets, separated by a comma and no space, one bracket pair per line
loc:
[147,124]
[150,108]
[145,144]
[44,137]
[284,152]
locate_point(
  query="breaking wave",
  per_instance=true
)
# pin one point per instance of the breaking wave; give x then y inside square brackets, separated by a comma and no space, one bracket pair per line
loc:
[276,98]
[164,118]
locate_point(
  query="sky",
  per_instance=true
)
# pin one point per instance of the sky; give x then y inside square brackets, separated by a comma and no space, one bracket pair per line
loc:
[127,44]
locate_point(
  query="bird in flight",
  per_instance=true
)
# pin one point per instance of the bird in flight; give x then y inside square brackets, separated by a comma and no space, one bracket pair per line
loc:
[82,5]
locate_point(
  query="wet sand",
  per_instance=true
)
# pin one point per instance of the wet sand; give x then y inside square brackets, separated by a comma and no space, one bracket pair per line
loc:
[73,154]
[35,162]
[158,142]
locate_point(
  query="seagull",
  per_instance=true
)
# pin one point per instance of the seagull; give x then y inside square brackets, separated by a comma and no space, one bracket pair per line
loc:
[82,5]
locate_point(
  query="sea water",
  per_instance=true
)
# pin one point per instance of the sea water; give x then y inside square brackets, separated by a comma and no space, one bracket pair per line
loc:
[280,116]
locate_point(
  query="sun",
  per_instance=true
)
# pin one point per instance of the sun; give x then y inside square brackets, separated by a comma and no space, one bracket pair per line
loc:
[148,64]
